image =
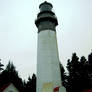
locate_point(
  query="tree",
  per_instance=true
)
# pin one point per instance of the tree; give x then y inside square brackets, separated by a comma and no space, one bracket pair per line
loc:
[31,84]
[74,77]
[90,58]
[62,71]
[79,75]
[11,75]
[1,65]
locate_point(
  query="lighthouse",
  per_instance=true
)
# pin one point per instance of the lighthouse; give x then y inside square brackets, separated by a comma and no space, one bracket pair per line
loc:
[48,68]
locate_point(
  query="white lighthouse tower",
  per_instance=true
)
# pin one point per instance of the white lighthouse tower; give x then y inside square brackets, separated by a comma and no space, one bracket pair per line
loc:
[48,68]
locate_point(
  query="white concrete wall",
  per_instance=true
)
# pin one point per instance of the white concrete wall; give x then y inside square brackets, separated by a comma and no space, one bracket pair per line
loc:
[11,88]
[48,69]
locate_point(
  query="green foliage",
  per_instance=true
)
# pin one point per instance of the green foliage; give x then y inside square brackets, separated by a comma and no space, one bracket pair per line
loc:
[79,75]
[1,65]
[62,74]
[11,69]
[31,84]
[10,75]
[90,58]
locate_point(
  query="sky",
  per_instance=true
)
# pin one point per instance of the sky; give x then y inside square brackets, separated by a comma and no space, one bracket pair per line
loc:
[18,33]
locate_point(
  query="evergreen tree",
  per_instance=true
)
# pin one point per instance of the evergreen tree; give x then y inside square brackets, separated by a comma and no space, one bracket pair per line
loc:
[74,74]
[10,75]
[1,65]
[31,84]
[79,75]
[34,83]
[90,58]
[62,71]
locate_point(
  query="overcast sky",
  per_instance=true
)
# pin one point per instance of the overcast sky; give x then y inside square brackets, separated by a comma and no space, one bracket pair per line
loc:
[18,33]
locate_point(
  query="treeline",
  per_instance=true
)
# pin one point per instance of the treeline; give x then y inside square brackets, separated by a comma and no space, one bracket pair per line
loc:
[77,79]
[10,75]
[79,76]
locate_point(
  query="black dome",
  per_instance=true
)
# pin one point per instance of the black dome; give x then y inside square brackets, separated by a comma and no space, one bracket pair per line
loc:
[45,6]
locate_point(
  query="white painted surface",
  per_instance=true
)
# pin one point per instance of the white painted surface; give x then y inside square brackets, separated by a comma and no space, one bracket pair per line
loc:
[48,69]
[62,89]
[11,88]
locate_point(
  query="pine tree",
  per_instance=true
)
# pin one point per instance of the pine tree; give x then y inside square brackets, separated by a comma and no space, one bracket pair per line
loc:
[1,65]
[79,75]
[10,75]
[31,84]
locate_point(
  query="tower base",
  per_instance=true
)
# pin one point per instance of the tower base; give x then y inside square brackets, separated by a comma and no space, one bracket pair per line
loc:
[48,87]
[62,89]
